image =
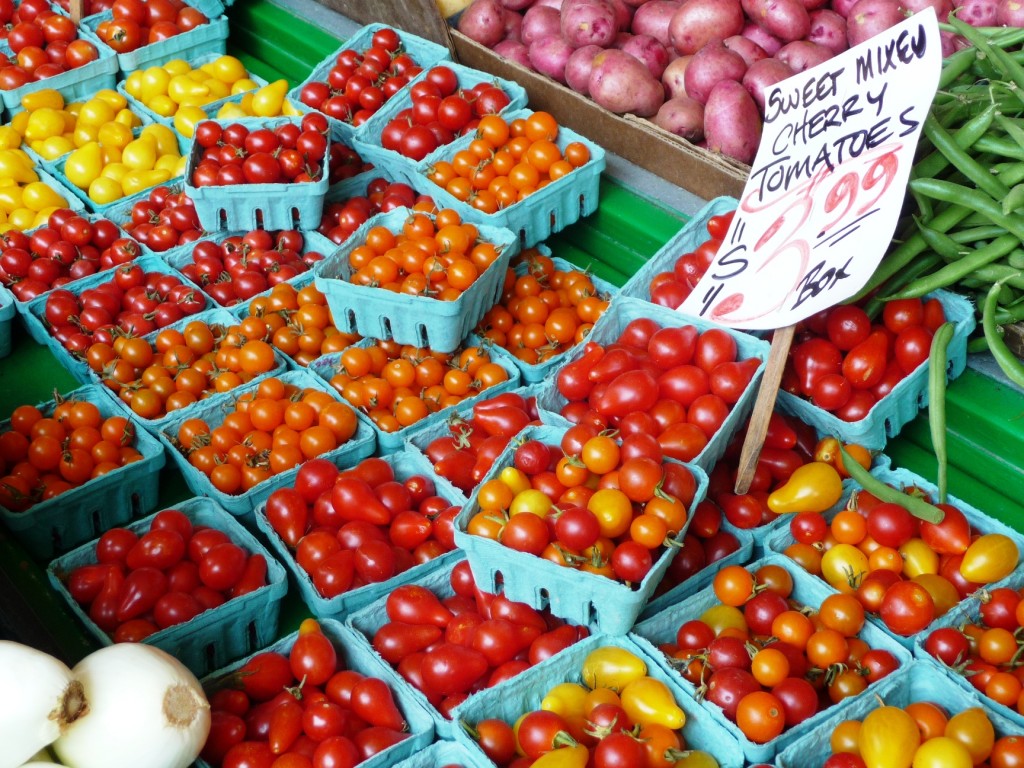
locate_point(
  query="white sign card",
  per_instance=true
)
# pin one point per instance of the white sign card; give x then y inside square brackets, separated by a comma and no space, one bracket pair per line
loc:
[826,188]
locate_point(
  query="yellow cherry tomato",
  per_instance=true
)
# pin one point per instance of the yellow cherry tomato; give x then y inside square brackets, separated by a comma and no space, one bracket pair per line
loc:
[918,558]
[163,105]
[974,731]
[515,479]
[116,101]
[134,83]
[242,85]
[85,133]
[103,190]
[566,699]
[844,567]
[44,123]
[649,701]
[227,69]
[990,557]
[154,82]
[564,757]
[166,140]
[140,154]
[290,110]
[44,97]
[54,147]
[177,67]
[19,121]
[943,593]
[613,509]
[129,118]
[612,667]
[696,758]
[115,134]
[217,89]
[115,171]
[136,181]
[22,218]
[14,166]
[39,195]
[9,137]
[722,617]
[186,118]
[267,101]
[942,752]
[84,165]
[183,89]
[888,738]
[532,501]
[167,163]
[231,111]
[96,112]
[813,487]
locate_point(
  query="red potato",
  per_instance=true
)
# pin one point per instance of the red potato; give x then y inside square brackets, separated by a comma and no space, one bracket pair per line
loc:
[732,124]
[653,18]
[483,21]
[942,8]
[709,66]
[513,26]
[517,5]
[802,54]
[1010,13]
[556,4]
[828,28]
[951,43]
[674,77]
[682,116]
[787,20]
[747,48]
[514,50]
[653,54]
[813,5]
[549,55]
[842,7]
[621,83]
[579,67]
[589,22]
[623,14]
[762,75]
[868,18]
[762,37]
[540,21]
[698,22]
[979,13]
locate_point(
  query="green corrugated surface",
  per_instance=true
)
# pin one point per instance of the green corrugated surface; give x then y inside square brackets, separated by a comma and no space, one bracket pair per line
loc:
[984,416]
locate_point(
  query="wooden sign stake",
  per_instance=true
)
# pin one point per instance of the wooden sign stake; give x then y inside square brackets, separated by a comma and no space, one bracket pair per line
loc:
[763,406]
[76,11]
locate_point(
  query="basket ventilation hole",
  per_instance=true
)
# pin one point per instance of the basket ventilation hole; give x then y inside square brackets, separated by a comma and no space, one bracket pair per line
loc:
[583,205]
[56,540]
[499,581]
[136,505]
[222,217]
[295,218]
[252,637]
[421,334]
[350,317]
[890,428]
[543,598]
[97,525]
[591,614]
[259,218]
[210,652]
[385,328]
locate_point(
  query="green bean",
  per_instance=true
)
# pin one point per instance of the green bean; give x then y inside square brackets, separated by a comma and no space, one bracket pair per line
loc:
[1007,361]
[941,243]
[1014,199]
[937,360]
[956,65]
[1012,314]
[1000,146]
[963,267]
[903,255]
[974,234]
[974,199]
[915,505]
[976,346]
[933,164]
[914,270]
[1010,68]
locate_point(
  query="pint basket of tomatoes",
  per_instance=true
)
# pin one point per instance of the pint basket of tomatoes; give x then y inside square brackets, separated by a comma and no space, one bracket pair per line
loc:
[353,82]
[977,644]
[699,400]
[89,495]
[598,565]
[363,717]
[918,717]
[520,170]
[259,173]
[226,464]
[416,278]
[771,650]
[207,597]
[346,550]
[444,754]
[86,66]
[638,713]
[906,572]
[181,32]
[445,100]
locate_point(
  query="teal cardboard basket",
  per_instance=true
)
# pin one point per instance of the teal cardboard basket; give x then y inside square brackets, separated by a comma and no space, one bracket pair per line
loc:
[693,233]
[359,446]
[779,537]
[328,365]
[890,414]
[524,693]
[807,591]
[367,620]
[418,320]
[284,205]
[7,313]
[609,327]
[915,682]
[206,38]
[368,139]
[542,213]
[405,464]
[239,627]
[34,312]
[352,655]
[603,604]
[72,84]
[424,52]
[446,754]
[57,525]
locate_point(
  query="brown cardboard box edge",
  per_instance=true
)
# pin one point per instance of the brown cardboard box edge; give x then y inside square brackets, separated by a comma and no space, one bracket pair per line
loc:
[638,140]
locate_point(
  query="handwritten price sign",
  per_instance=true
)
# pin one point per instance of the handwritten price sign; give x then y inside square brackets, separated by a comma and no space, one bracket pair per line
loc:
[828,182]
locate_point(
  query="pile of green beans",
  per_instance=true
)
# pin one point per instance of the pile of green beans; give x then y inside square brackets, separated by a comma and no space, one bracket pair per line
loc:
[965,230]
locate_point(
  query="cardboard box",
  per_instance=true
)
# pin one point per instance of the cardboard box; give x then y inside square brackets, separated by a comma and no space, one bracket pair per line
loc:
[703,173]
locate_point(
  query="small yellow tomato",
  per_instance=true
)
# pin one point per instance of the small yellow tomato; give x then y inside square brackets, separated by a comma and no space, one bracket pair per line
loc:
[103,190]
[990,557]
[44,97]
[612,667]
[267,101]
[844,567]
[39,195]
[888,738]
[813,487]
[918,558]
[649,701]
[942,752]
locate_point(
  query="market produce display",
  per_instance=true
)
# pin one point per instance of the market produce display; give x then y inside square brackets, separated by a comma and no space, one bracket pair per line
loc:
[44,43]
[478,464]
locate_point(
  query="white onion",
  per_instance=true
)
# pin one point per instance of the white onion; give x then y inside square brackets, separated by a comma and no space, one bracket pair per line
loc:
[41,697]
[145,710]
